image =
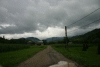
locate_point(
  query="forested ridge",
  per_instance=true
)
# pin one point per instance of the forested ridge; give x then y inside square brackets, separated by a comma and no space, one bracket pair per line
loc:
[91,37]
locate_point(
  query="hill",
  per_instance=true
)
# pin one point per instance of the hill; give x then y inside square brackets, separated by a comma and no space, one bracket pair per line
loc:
[91,37]
[54,39]
[31,39]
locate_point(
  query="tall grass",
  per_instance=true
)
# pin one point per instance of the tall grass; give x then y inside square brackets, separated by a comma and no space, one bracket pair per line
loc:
[12,47]
[70,45]
[13,58]
[89,58]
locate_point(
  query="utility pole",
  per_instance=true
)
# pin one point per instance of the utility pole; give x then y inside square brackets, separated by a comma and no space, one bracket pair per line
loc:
[66,45]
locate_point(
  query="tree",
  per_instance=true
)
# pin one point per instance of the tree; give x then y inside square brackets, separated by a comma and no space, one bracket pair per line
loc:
[99,48]
[85,46]
[44,42]
[65,39]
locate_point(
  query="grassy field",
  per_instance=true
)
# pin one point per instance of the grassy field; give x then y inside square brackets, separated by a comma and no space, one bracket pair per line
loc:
[13,58]
[88,58]
[12,47]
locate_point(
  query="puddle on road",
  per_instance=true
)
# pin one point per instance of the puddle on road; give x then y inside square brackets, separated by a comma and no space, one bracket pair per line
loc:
[0,66]
[63,64]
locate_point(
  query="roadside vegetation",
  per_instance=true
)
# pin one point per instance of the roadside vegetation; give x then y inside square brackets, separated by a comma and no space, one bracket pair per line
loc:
[12,47]
[88,58]
[13,58]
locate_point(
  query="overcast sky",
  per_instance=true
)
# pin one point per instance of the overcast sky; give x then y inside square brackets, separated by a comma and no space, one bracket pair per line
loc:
[46,18]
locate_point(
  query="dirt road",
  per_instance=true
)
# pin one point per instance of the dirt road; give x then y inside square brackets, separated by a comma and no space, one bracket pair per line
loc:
[44,58]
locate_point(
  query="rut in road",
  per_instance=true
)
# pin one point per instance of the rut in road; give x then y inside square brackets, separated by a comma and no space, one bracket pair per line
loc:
[45,58]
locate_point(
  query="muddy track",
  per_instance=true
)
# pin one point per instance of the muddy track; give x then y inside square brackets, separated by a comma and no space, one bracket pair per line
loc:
[45,58]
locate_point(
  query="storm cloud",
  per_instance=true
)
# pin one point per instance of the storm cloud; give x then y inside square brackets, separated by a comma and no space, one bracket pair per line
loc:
[37,17]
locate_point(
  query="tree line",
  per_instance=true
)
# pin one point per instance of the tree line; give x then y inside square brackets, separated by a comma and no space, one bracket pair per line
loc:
[12,41]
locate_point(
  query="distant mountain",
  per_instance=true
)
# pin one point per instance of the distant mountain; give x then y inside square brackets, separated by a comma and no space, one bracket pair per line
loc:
[22,38]
[92,36]
[31,38]
[54,39]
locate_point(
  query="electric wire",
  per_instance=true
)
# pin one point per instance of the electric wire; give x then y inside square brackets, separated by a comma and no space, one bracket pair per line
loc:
[84,17]
[89,23]
[86,25]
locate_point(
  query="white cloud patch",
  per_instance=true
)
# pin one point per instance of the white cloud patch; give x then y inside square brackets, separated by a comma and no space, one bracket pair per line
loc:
[6,25]
[49,32]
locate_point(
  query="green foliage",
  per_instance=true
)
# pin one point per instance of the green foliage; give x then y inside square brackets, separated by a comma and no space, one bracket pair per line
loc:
[13,41]
[44,42]
[12,47]
[98,48]
[51,42]
[33,43]
[89,58]
[85,46]
[65,40]
[60,41]
[90,37]
[13,58]
[69,45]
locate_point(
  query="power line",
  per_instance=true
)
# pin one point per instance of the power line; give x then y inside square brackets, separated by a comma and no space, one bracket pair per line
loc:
[90,23]
[84,17]
[86,24]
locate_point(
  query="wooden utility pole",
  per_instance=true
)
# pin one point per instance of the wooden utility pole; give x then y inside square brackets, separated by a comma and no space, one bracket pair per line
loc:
[66,45]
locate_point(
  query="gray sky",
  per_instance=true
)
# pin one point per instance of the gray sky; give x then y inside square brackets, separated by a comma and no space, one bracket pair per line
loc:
[46,18]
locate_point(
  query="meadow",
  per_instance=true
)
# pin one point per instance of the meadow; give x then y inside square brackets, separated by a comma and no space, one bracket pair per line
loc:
[13,58]
[89,58]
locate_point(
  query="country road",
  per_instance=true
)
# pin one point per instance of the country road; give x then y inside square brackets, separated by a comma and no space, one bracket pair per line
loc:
[45,58]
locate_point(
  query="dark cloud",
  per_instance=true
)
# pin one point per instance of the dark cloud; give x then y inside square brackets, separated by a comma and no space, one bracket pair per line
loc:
[31,15]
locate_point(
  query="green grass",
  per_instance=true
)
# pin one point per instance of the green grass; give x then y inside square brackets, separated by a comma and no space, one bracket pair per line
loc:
[12,47]
[88,58]
[13,58]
